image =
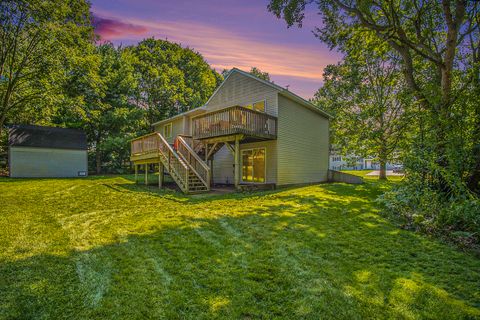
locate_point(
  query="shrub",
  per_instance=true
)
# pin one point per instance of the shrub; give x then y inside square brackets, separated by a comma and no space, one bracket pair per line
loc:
[422,209]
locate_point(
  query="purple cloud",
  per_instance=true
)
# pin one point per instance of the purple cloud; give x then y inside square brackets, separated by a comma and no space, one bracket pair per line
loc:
[110,29]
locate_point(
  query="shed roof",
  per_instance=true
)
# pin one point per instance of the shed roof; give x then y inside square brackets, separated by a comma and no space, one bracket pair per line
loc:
[46,137]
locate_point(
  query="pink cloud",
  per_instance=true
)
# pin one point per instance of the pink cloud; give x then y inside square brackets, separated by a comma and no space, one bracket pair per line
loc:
[109,29]
[225,49]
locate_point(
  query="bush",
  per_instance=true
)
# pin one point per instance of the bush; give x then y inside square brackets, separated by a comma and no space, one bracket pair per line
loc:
[422,209]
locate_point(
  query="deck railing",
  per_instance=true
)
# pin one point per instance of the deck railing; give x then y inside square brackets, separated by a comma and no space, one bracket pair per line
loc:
[145,144]
[234,120]
[156,143]
[201,169]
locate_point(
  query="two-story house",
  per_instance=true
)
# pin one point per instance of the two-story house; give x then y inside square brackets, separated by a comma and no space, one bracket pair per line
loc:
[250,131]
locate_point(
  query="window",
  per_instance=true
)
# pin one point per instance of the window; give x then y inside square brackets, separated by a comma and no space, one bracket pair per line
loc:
[337,158]
[167,130]
[257,106]
[253,165]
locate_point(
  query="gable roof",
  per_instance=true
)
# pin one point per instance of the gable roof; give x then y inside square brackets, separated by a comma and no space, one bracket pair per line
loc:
[283,91]
[46,137]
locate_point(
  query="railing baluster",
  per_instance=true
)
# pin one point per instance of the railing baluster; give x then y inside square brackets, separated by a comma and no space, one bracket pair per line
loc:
[233,120]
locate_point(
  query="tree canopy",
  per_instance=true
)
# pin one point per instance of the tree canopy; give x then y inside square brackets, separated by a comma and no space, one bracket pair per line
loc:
[172,79]
[436,45]
[369,105]
[38,39]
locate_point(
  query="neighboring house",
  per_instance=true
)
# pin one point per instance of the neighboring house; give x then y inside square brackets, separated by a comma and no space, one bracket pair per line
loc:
[351,162]
[372,163]
[250,131]
[42,152]
[339,162]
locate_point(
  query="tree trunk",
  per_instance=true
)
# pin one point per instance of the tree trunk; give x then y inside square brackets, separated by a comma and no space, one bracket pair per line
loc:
[2,122]
[98,160]
[383,170]
[382,157]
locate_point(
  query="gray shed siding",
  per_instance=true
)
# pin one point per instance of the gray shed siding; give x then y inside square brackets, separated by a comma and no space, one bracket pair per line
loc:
[303,140]
[223,169]
[31,162]
[241,90]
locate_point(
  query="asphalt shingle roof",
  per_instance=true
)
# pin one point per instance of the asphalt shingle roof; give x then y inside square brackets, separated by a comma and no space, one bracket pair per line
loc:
[46,137]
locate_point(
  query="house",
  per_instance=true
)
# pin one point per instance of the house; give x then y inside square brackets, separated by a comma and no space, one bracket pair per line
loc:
[352,162]
[42,152]
[250,132]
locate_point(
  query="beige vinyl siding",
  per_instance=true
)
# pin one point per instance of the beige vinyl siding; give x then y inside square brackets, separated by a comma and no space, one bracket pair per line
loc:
[223,169]
[223,166]
[28,162]
[177,128]
[186,125]
[303,140]
[242,90]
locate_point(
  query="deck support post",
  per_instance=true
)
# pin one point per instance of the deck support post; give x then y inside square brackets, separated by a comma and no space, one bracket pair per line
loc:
[160,174]
[146,174]
[136,172]
[211,172]
[206,152]
[237,162]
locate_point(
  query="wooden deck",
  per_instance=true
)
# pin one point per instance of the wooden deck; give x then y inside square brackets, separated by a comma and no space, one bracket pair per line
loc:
[234,121]
[188,162]
[186,168]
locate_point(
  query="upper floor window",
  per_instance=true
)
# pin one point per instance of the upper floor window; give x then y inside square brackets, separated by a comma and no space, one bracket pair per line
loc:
[167,130]
[337,158]
[257,106]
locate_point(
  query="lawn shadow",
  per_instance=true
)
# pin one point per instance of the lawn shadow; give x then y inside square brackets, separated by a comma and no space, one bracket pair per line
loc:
[286,253]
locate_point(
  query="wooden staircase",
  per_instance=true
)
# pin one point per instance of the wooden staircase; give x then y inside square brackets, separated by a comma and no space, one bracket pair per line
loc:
[184,165]
[199,147]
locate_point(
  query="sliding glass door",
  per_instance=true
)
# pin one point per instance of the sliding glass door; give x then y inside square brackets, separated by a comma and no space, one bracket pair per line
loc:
[253,165]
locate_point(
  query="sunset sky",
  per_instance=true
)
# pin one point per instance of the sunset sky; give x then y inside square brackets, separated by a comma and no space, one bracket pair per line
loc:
[228,33]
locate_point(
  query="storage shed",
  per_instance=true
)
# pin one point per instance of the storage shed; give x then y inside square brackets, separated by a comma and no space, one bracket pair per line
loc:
[42,152]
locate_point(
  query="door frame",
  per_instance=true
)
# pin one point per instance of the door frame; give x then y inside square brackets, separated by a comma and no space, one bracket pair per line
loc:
[241,165]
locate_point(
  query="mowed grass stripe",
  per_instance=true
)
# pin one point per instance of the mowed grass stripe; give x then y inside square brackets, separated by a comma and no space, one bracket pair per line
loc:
[103,247]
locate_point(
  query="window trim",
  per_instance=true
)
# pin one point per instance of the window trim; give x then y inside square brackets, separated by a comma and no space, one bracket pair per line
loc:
[171,130]
[241,165]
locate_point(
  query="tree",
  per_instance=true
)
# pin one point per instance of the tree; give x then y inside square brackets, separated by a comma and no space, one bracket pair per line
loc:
[260,74]
[172,79]
[37,37]
[253,71]
[367,98]
[438,45]
[103,105]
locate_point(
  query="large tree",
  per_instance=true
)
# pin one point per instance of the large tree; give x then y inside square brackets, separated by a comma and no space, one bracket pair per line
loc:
[438,45]
[366,96]
[37,37]
[100,99]
[172,79]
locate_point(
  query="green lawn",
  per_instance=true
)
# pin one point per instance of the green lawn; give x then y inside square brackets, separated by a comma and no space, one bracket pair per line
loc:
[105,248]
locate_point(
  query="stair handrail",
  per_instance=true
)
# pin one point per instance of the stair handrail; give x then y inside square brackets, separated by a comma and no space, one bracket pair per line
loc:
[203,172]
[182,176]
